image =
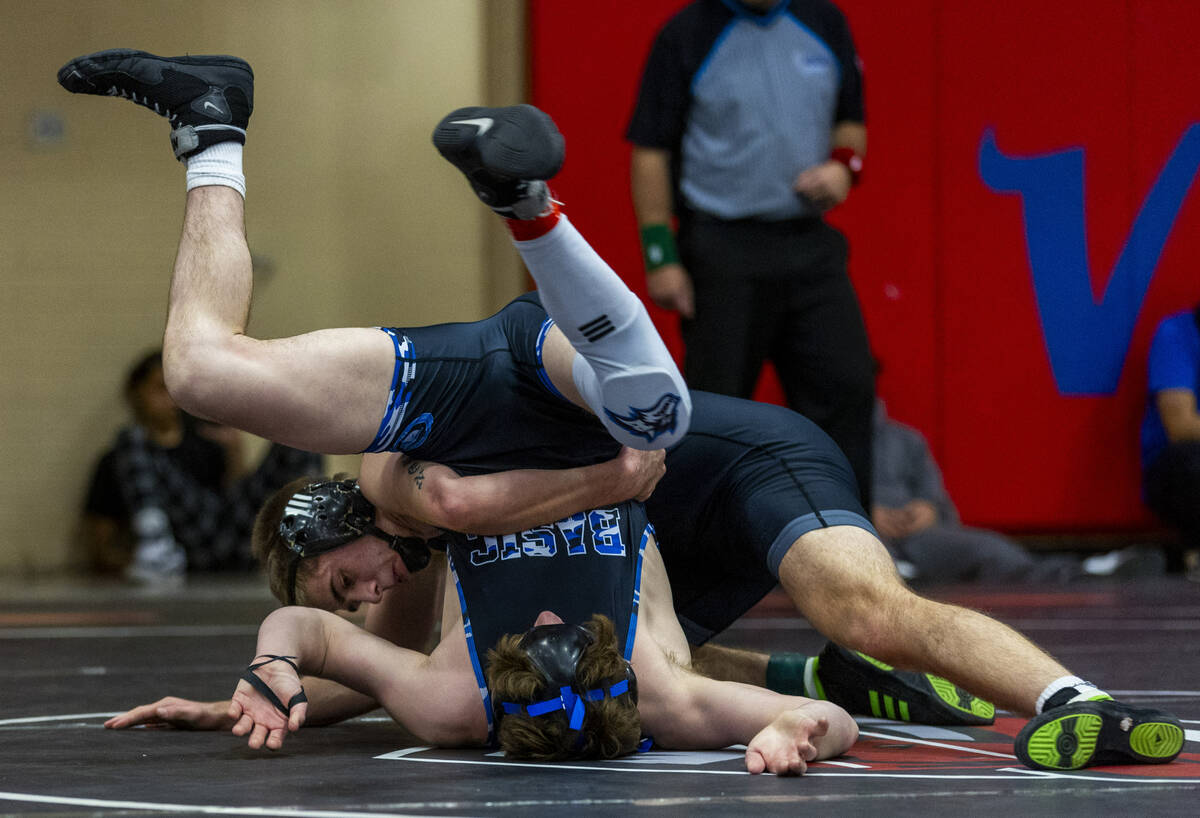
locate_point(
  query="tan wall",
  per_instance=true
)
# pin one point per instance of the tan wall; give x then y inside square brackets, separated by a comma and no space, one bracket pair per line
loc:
[352,217]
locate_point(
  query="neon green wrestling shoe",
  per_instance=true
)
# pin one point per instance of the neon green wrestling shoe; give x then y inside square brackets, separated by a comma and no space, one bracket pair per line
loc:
[866,686]
[1093,733]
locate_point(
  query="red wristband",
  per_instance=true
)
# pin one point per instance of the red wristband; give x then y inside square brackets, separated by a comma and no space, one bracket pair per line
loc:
[851,160]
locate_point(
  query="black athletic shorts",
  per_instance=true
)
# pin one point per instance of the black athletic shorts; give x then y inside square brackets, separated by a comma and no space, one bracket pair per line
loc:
[747,480]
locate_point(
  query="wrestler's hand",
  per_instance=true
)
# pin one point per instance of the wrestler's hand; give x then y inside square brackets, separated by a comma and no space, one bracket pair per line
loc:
[255,716]
[784,746]
[642,470]
[170,711]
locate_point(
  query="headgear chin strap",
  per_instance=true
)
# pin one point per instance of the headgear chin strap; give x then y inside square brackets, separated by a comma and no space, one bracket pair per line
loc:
[324,516]
[555,651]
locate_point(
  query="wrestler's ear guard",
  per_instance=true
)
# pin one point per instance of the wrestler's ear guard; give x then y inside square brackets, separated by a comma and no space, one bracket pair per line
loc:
[327,515]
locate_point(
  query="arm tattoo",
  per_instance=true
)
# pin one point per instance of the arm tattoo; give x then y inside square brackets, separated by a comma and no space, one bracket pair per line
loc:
[417,470]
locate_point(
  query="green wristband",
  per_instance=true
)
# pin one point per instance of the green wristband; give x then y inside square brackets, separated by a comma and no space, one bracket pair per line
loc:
[658,247]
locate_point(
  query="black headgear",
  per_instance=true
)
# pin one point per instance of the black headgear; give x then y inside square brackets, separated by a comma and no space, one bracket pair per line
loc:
[324,516]
[555,651]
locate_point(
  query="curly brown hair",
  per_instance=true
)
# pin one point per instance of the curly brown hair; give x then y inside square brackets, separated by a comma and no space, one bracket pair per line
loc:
[270,548]
[611,726]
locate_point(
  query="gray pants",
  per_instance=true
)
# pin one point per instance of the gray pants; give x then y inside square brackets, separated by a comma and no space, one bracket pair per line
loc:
[955,553]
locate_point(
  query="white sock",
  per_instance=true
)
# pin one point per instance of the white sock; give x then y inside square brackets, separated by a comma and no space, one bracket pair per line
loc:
[811,684]
[624,370]
[1083,691]
[219,164]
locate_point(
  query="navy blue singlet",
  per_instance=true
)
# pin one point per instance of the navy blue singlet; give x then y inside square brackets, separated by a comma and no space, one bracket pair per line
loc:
[587,564]
[475,397]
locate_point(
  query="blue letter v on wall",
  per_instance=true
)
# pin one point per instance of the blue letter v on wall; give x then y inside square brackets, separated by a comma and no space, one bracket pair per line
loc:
[1087,342]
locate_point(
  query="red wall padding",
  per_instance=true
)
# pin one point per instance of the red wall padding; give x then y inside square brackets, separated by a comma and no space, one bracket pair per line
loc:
[939,258]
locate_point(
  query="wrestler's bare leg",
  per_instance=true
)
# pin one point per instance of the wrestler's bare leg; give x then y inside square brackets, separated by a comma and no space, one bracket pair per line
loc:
[322,391]
[845,584]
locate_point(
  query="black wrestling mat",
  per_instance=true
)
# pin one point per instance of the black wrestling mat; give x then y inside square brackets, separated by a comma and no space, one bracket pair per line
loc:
[69,657]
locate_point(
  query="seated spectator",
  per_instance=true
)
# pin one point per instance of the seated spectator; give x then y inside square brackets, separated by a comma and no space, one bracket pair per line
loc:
[172,495]
[919,523]
[1171,434]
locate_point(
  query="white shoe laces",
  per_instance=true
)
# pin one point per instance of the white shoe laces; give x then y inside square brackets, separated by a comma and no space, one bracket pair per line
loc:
[114,91]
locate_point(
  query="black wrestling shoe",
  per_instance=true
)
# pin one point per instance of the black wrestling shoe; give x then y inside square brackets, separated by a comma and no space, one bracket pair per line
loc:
[505,153]
[866,686]
[1092,733]
[207,99]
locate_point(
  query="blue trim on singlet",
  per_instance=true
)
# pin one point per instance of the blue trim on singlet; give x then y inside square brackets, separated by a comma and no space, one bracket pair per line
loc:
[637,593]
[811,522]
[472,651]
[391,403]
[484,693]
[400,393]
[541,370]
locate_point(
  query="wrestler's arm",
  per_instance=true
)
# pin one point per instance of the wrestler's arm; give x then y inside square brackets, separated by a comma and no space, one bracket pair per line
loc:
[504,501]
[405,616]
[329,703]
[684,710]
[435,697]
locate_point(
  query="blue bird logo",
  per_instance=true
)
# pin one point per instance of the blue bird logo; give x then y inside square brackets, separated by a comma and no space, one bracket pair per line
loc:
[648,423]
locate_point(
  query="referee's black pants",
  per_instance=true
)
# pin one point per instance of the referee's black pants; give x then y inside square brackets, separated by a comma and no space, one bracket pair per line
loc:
[780,291]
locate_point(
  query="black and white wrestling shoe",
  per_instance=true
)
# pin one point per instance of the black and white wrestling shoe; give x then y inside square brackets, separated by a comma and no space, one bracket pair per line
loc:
[207,99]
[505,153]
